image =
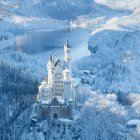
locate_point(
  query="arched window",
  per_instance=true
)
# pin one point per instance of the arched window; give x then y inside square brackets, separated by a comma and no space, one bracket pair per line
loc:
[55,116]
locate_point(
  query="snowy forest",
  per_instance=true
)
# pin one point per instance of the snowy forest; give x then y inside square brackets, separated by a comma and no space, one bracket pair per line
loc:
[104,37]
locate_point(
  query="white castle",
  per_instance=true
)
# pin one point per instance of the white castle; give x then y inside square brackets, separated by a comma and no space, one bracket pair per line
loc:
[55,95]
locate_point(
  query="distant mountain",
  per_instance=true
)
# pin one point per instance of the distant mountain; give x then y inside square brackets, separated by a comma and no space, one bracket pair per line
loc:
[36,14]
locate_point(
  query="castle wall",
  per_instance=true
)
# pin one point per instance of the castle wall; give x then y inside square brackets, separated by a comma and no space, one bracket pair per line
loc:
[48,112]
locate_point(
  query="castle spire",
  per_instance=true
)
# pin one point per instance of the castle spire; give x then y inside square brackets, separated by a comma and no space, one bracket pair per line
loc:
[50,56]
[67,51]
[50,69]
[67,44]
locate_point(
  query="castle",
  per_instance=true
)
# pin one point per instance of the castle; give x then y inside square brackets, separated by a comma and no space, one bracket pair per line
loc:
[55,98]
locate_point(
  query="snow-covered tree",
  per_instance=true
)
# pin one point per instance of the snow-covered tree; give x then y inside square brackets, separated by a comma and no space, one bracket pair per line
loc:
[103,118]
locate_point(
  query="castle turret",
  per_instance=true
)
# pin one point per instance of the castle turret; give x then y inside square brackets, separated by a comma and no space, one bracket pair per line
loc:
[50,69]
[67,72]
[67,59]
[67,84]
[67,56]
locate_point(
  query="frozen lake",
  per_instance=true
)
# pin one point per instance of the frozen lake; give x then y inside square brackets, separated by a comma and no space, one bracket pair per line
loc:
[40,43]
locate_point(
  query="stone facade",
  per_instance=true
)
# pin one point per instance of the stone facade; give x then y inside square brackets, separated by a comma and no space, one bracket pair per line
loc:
[55,110]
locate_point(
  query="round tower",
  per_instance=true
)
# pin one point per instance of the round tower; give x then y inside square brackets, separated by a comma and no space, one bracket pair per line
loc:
[67,84]
[50,69]
[67,59]
[67,72]
[67,51]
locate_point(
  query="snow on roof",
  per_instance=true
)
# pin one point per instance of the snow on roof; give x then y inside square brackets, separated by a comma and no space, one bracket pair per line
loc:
[48,101]
[133,122]
[41,86]
[60,99]
[43,83]
[66,120]
[86,71]
[34,119]
[66,70]
[70,99]
[56,62]
[45,101]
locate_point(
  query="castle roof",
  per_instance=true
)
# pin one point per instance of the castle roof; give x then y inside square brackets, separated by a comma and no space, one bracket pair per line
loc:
[56,63]
[59,99]
[50,57]
[54,100]
[66,70]
[67,44]
[133,122]
[67,121]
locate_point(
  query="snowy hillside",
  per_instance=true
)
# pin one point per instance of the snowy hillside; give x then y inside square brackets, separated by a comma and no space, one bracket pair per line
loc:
[119,4]
[115,53]
[98,15]
[116,58]
[19,78]
[40,14]
[56,9]
[25,63]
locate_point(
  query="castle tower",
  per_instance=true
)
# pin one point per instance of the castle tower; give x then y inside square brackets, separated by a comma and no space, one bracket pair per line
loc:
[67,56]
[50,69]
[67,72]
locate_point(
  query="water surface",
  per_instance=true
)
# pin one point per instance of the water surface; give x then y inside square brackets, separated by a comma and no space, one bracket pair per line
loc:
[40,43]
